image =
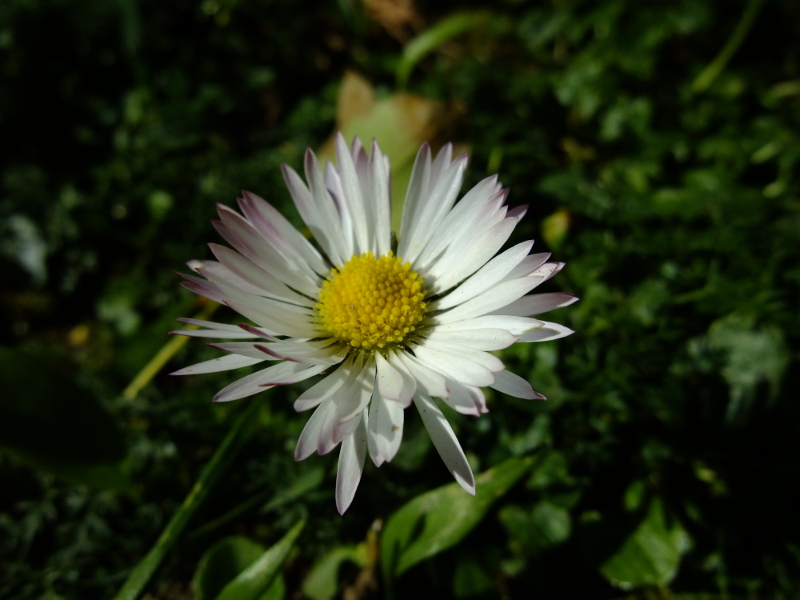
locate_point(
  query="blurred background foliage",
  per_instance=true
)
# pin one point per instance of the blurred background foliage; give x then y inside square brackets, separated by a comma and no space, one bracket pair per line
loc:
[657,145]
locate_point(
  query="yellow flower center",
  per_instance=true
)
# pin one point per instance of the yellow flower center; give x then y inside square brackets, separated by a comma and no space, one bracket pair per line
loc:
[371,302]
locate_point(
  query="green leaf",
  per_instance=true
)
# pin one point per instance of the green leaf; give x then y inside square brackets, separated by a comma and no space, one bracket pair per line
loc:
[550,471]
[323,581]
[547,525]
[50,423]
[269,500]
[751,356]
[276,590]
[257,578]
[470,579]
[438,519]
[222,563]
[432,38]
[236,437]
[651,554]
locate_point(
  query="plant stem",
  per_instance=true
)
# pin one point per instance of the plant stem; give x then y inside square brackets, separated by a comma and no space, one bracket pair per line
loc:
[211,473]
[715,67]
[161,357]
[430,39]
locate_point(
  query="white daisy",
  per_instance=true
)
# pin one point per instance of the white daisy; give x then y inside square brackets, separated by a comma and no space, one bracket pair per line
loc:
[391,324]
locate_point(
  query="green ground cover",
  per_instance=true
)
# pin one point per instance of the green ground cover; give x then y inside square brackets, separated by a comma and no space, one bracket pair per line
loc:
[657,144]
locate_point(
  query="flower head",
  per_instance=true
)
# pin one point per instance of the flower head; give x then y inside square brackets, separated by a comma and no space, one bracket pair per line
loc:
[390,324]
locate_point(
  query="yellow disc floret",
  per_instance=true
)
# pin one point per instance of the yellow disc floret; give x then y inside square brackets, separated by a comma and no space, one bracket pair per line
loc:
[371,303]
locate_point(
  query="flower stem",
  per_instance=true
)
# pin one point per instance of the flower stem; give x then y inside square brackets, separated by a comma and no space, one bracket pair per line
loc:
[211,473]
[161,358]
[715,67]
[432,38]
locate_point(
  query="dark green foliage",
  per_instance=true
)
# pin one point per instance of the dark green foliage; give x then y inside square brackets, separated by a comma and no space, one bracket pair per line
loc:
[665,456]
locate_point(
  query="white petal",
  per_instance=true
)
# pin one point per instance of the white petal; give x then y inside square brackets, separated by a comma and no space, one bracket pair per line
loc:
[490,300]
[409,382]
[210,324]
[530,268]
[344,429]
[202,288]
[248,271]
[298,376]
[549,270]
[390,427]
[415,197]
[274,316]
[480,200]
[458,233]
[334,184]
[444,158]
[221,272]
[518,211]
[308,442]
[536,304]
[389,380]
[214,333]
[351,466]
[467,400]
[374,444]
[484,359]
[458,265]
[440,200]
[384,429]
[445,441]
[316,353]
[352,193]
[549,332]
[314,207]
[250,242]
[272,224]
[514,385]
[254,383]
[354,395]
[287,319]
[379,188]
[216,365]
[454,367]
[477,339]
[516,326]
[432,382]
[324,389]
[528,265]
[260,332]
[243,348]
[488,275]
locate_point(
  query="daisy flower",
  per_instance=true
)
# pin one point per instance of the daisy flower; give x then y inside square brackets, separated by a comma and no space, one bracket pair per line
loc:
[390,322]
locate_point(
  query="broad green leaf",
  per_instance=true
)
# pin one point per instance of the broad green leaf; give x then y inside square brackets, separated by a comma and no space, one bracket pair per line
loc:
[276,589]
[50,423]
[438,519]
[751,356]
[323,581]
[651,554]
[257,578]
[471,579]
[399,123]
[222,563]
[545,526]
